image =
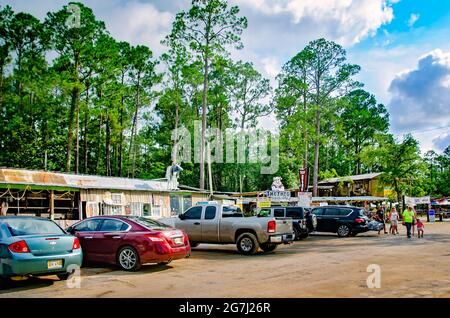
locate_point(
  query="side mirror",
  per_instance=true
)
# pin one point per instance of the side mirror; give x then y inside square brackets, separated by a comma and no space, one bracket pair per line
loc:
[181,216]
[70,230]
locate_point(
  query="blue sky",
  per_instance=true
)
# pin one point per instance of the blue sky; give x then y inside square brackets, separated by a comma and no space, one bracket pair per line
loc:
[403,46]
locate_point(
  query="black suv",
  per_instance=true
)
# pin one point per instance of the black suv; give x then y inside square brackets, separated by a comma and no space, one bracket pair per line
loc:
[302,220]
[343,220]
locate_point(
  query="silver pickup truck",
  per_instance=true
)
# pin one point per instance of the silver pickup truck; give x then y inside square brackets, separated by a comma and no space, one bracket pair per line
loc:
[222,224]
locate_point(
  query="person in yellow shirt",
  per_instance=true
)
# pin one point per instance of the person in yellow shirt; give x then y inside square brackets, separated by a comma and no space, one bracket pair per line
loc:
[408,219]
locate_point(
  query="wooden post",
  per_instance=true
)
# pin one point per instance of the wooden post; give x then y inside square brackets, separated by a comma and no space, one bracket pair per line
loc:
[52,204]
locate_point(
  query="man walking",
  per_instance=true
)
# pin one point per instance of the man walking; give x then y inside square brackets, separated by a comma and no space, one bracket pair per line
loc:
[408,218]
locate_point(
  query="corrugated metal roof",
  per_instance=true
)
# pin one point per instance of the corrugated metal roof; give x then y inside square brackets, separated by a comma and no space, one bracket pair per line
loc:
[352,178]
[361,198]
[45,178]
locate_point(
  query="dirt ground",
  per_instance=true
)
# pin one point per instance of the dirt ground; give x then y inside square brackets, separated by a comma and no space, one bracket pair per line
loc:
[320,266]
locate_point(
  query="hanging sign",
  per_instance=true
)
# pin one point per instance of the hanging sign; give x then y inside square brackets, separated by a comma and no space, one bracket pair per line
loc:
[303,173]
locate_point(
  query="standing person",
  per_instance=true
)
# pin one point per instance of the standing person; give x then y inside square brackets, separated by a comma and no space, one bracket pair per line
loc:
[408,218]
[380,217]
[414,222]
[420,227]
[393,217]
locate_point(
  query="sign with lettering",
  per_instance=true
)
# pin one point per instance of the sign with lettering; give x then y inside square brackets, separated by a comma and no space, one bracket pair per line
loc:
[278,195]
[303,173]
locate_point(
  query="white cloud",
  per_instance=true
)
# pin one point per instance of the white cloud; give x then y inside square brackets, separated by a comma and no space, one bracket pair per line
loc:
[138,23]
[413,19]
[421,97]
[345,21]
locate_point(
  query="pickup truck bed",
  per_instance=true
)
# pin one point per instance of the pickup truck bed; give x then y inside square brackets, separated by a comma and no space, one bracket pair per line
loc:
[221,224]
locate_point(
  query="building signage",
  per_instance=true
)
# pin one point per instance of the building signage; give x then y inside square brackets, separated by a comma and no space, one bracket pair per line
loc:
[278,195]
[303,173]
[417,200]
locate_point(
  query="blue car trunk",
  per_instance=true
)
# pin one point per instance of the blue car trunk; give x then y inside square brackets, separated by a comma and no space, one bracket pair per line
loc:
[48,245]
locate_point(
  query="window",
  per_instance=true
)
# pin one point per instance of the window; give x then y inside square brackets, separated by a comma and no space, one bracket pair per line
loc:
[264,213]
[194,213]
[148,223]
[180,203]
[110,225]
[231,211]
[344,212]
[116,198]
[210,213]
[295,213]
[332,212]
[318,211]
[278,213]
[29,226]
[146,209]
[361,212]
[136,208]
[88,225]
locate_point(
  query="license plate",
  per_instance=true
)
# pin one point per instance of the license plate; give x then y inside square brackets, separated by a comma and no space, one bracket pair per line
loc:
[275,239]
[58,263]
[178,240]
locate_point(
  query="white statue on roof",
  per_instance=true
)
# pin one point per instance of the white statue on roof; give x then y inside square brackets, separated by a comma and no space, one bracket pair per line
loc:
[277,185]
[172,173]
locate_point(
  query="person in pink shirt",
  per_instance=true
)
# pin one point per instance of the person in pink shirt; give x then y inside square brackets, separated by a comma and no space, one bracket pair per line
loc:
[420,227]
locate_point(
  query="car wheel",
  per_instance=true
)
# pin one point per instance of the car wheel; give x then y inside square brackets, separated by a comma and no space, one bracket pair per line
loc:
[343,230]
[194,244]
[247,244]
[268,247]
[64,276]
[128,259]
[296,234]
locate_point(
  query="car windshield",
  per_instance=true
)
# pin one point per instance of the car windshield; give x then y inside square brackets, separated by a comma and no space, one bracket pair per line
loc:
[19,227]
[149,223]
[231,211]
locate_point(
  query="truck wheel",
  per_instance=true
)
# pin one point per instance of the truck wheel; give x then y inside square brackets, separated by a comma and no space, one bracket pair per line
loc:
[247,244]
[343,230]
[296,234]
[267,247]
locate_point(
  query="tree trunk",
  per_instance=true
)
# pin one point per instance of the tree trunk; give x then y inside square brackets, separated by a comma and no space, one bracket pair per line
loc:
[316,155]
[204,109]
[77,147]
[132,149]
[107,145]
[122,109]
[86,118]
[74,104]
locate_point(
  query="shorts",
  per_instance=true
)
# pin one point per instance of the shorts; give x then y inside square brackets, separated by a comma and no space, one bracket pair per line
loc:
[420,229]
[394,222]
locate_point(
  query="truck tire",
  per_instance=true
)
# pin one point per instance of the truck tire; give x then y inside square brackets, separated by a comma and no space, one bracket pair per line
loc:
[247,244]
[267,247]
[296,234]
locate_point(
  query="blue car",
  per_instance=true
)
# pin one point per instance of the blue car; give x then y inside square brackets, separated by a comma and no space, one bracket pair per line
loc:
[31,246]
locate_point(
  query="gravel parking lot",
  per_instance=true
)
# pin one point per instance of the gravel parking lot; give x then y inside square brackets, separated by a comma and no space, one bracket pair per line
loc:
[320,266]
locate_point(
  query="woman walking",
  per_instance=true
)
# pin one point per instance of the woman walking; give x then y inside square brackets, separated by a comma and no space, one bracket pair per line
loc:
[393,217]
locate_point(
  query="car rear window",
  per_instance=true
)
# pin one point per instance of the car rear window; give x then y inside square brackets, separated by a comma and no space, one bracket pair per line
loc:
[278,213]
[295,213]
[149,223]
[19,227]
[231,211]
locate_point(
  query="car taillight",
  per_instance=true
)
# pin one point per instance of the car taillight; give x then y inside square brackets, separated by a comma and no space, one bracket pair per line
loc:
[359,220]
[271,226]
[19,247]
[76,244]
[154,238]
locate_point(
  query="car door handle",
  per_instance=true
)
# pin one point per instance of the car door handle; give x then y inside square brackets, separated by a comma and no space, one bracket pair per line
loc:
[336,218]
[197,223]
[88,237]
[116,237]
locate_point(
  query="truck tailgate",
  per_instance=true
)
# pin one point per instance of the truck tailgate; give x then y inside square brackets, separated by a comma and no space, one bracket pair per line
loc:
[284,225]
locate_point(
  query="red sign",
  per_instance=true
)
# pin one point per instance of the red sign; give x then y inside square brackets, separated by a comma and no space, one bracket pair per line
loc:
[303,173]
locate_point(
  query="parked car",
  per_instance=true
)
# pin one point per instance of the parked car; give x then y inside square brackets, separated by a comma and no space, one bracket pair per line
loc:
[304,222]
[31,246]
[129,241]
[214,223]
[343,220]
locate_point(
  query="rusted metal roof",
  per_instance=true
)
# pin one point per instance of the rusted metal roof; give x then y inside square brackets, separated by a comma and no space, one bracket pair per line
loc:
[12,176]
[367,176]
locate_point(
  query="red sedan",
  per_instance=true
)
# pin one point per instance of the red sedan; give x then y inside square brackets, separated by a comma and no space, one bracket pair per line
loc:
[129,241]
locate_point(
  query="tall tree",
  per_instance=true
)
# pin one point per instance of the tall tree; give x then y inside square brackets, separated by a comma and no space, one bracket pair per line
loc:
[362,118]
[206,29]
[72,42]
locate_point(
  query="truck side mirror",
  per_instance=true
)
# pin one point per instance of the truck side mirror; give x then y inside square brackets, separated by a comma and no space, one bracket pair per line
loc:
[181,216]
